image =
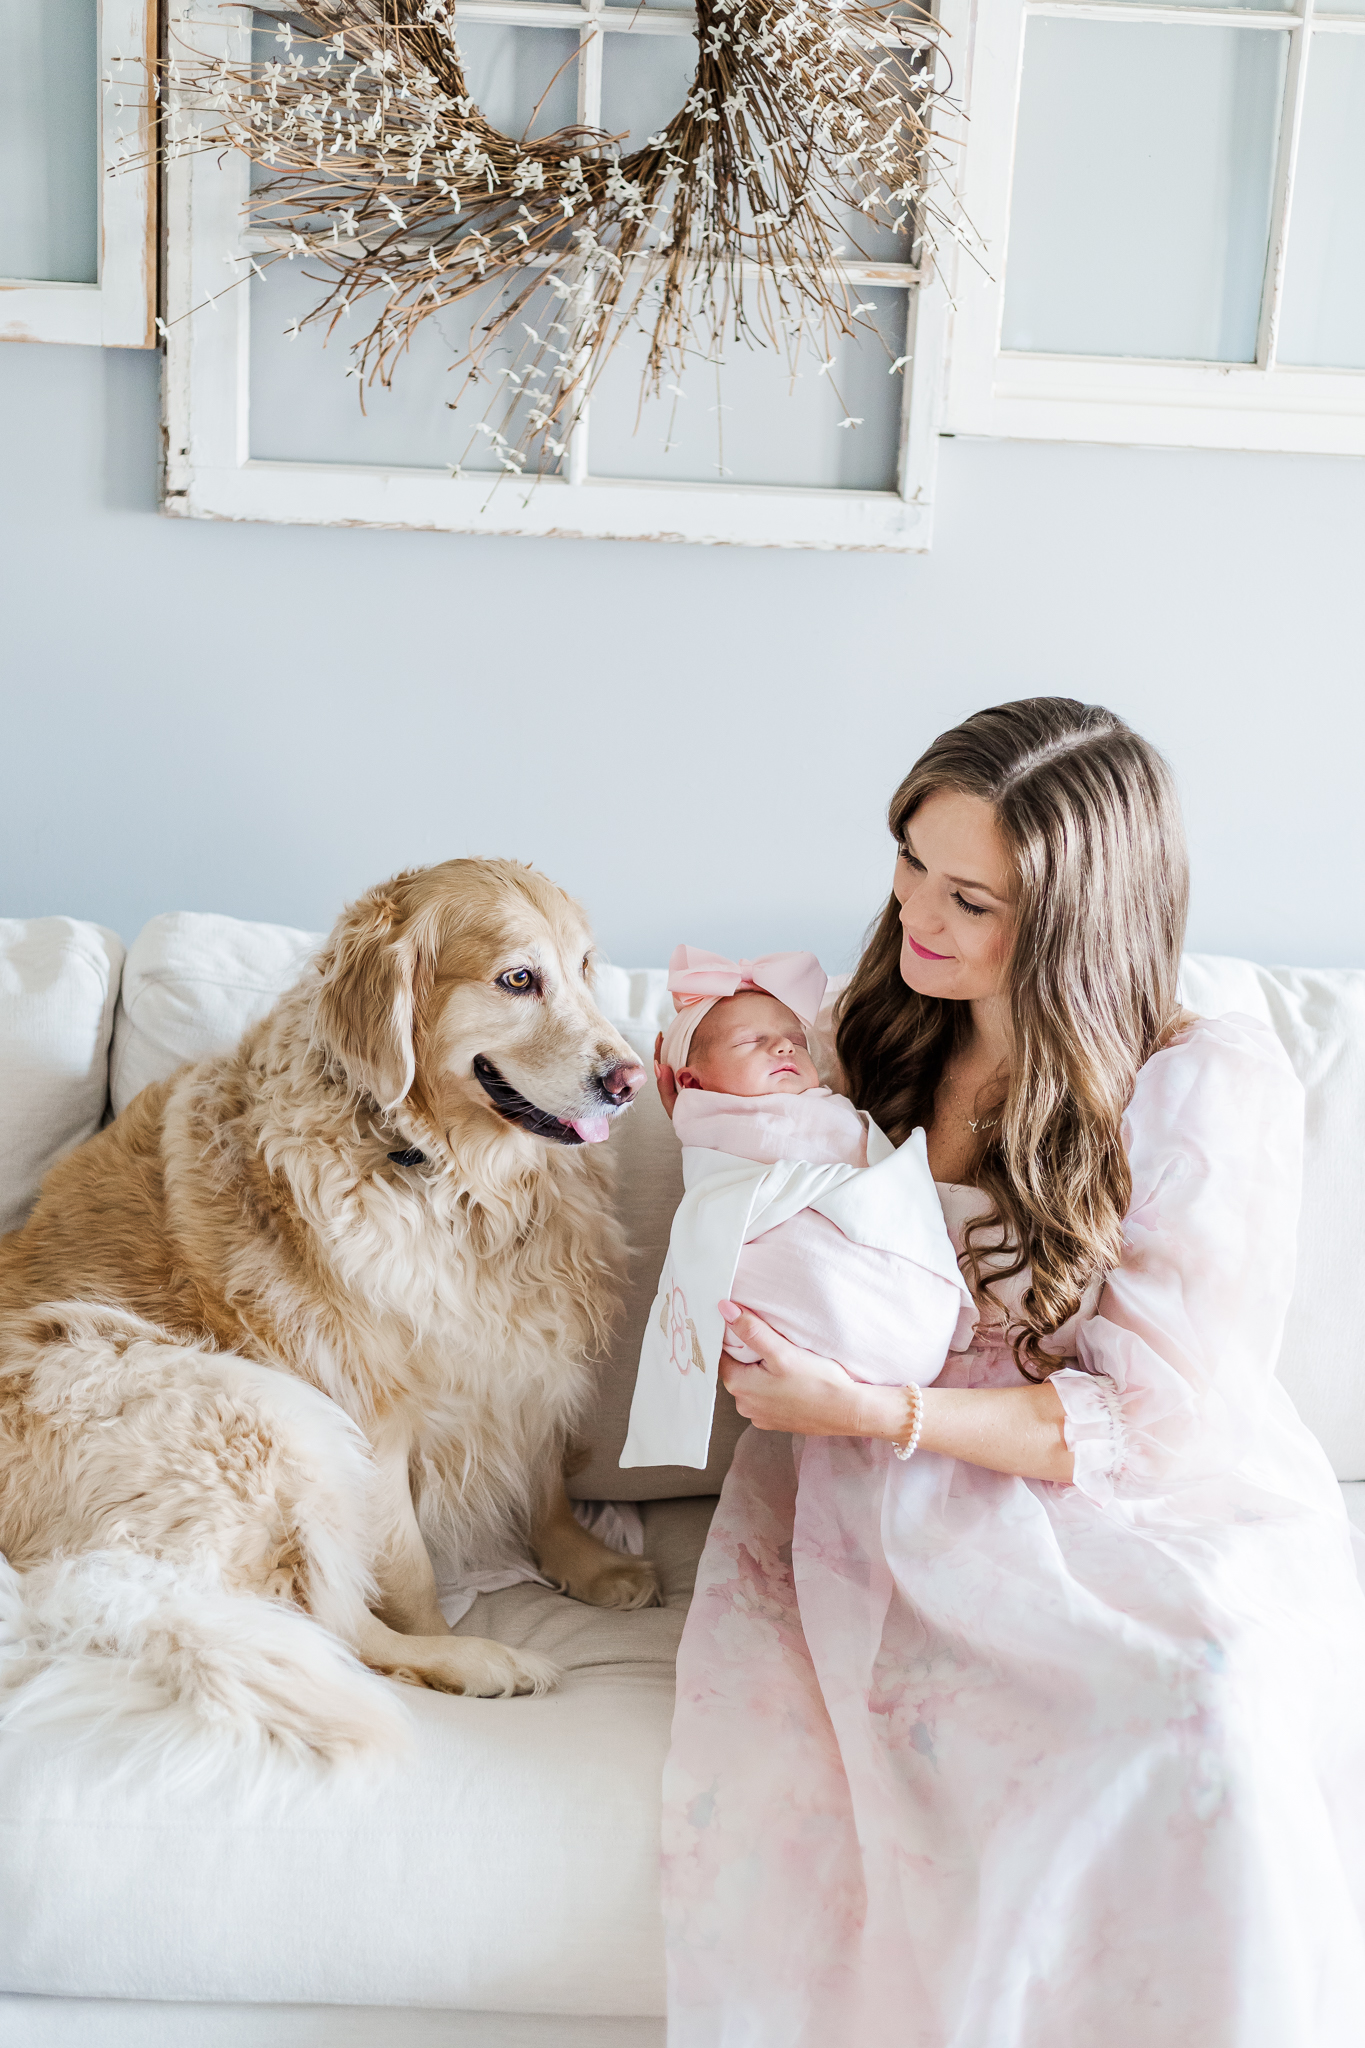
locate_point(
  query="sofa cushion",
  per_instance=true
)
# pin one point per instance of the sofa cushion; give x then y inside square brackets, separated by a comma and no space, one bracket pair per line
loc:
[28,2022]
[59,980]
[509,1864]
[1319,1016]
[192,984]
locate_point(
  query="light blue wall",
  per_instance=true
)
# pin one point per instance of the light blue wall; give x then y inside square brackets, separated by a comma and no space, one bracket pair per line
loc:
[262,720]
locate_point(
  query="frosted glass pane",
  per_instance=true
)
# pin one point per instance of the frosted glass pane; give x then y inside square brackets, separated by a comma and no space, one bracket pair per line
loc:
[1323,321]
[507,70]
[751,421]
[49,141]
[645,80]
[1143,170]
[304,407]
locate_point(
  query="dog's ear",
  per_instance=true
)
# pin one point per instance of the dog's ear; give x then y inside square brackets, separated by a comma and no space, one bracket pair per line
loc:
[371,972]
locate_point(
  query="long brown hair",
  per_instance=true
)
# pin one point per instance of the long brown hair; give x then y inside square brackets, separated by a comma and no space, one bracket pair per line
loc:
[1088,814]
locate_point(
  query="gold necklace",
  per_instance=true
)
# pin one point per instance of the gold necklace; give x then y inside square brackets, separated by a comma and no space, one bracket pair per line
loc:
[975,1124]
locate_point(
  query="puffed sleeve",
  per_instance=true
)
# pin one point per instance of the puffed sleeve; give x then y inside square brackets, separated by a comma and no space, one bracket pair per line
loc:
[1174,1368]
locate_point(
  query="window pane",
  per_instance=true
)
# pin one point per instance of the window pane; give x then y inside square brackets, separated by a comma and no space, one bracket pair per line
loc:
[645,80]
[49,140]
[304,407]
[507,70]
[750,420]
[1324,287]
[1142,189]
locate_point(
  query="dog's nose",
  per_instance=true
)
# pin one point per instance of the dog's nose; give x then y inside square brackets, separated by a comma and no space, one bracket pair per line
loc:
[623,1083]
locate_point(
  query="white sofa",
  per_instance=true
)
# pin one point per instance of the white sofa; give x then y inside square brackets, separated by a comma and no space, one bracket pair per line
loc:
[499,1887]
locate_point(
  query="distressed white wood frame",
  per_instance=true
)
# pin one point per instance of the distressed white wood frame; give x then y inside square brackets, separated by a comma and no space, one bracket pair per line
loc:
[120,310]
[1051,397]
[211,474]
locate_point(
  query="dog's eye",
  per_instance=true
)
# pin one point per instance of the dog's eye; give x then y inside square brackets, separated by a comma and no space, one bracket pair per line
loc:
[587,963]
[519,979]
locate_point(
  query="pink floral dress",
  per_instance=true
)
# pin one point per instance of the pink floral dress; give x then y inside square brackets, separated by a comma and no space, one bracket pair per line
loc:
[967,1761]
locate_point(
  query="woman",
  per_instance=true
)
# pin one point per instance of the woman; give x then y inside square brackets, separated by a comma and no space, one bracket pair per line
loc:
[1048,1738]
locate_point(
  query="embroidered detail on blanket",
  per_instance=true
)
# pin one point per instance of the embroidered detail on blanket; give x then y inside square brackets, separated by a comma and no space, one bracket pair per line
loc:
[684,1345]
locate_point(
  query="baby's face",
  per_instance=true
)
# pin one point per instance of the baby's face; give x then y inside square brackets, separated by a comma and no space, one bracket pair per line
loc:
[750,1045]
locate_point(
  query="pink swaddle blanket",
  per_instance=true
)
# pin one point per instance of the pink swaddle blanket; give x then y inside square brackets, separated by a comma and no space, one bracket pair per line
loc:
[883,1317]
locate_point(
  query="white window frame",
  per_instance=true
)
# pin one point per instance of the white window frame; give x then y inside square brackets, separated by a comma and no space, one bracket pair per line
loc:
[120,310]
[1138,401]
[210,473]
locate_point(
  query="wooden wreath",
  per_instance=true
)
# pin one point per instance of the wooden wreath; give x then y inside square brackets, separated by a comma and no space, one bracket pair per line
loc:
[384,174]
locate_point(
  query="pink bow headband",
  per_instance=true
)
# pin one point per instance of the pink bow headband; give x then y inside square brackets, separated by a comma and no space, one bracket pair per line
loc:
[699,980]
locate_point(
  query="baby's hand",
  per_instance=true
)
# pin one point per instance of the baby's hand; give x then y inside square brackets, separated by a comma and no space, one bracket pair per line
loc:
[668,1087]
[735,1347]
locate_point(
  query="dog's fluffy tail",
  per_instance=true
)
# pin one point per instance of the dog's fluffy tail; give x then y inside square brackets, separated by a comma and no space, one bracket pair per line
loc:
[190,1676]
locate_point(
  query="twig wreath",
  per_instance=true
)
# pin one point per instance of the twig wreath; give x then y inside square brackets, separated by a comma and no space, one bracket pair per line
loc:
[803,115]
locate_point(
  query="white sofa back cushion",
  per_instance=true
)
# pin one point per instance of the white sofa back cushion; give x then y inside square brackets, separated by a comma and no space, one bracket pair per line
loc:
[1319,1016]
[192,984]
[59,981]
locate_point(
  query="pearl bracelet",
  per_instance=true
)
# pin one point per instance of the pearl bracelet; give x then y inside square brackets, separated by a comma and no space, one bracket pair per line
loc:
[907,1443]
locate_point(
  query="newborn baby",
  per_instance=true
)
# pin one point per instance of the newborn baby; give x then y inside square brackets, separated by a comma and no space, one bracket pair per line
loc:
[826,1230]
[752,1047]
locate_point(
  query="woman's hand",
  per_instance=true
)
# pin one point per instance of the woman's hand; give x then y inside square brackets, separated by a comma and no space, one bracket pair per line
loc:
[793,1389]
[668,1087]
[1016,1430]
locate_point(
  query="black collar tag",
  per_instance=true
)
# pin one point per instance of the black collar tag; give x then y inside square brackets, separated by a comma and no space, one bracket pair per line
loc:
[412,1157]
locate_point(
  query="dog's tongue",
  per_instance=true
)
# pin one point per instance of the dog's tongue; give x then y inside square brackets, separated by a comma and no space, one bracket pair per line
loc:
[591,1129]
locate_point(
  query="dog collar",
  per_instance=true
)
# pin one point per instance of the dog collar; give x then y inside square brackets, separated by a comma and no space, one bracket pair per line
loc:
[412,1157]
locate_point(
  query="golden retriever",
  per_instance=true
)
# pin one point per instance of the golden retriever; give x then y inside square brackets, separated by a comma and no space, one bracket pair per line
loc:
[305,1304]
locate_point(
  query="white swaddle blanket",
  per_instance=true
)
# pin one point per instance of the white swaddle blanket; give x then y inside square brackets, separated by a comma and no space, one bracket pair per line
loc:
[797,1207]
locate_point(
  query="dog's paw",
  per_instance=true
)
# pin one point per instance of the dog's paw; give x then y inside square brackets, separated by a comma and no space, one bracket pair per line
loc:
[482,1670]
[495,1672]
[627,1582]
